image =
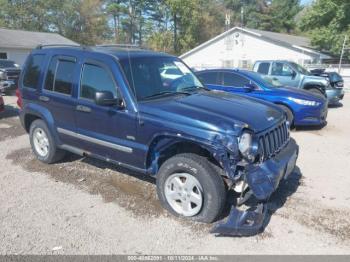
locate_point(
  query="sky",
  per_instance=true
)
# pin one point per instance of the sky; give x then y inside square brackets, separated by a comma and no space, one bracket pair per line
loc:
[305,2]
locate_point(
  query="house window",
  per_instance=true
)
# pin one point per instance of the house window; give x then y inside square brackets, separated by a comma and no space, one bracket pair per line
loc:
[228,63]
[3,55]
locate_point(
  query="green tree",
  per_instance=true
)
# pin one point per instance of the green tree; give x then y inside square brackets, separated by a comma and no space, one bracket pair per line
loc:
[327,22]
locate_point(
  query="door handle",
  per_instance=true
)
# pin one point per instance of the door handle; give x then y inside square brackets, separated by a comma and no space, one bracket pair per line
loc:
[44,98]
[84,109]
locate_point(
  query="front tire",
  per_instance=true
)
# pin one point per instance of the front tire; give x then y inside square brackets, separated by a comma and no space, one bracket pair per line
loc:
[316,91]
[289,113]
[43,144]
[188,186]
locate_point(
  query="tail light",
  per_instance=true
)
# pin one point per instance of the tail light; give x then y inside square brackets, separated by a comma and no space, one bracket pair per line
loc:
[19,98]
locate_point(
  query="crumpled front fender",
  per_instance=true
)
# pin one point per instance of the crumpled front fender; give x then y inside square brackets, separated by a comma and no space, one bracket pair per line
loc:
[263,179]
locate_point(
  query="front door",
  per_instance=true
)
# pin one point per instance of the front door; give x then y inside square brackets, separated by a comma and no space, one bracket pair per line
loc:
[285,74]
[107,131]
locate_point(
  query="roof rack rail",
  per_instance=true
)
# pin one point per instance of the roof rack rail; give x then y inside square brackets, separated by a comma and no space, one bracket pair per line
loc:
[120,45]
[61,45]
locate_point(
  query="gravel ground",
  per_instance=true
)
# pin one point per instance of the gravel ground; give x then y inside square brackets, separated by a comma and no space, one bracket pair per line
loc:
[84,206]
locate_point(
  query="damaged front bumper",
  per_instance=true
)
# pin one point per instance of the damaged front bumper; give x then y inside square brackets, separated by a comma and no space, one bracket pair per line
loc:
[263,179]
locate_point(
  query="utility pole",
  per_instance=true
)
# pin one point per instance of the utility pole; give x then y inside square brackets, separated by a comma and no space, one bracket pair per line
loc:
[242,16]
[342,54]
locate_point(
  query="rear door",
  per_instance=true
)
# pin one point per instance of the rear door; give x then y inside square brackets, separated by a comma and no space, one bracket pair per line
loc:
[108,131]
[57,94]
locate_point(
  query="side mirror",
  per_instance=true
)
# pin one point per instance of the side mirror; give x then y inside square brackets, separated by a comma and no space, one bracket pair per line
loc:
[106,98]
[249,88]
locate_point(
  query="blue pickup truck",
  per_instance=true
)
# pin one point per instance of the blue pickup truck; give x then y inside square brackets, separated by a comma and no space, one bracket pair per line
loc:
[120,105]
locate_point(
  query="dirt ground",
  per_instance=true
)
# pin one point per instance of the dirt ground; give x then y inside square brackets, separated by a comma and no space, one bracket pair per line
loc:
[84,206]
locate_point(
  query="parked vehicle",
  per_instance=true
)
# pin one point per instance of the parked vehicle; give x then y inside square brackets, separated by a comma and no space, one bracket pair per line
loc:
[2,104]
[9,74]
[303,108]
[334,78]
[294,75]
[113,104]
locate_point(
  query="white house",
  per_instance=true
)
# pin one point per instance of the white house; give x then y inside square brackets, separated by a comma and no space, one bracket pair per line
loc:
[241,47]
[17,44]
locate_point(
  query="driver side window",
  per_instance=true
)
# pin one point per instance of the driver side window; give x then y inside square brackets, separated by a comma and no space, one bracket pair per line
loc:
[281,69]
[95,79]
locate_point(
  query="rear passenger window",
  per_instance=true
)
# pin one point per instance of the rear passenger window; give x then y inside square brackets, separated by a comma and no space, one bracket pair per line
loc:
[264,68]
[95,79]
[32,71]
[209,78]
[60,75]
[234,80]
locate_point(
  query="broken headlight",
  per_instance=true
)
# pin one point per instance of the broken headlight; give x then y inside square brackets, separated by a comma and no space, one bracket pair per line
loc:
[248,146]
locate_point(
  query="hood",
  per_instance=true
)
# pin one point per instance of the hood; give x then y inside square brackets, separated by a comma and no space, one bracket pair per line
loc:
[298,93]
[316,79]
[215,110]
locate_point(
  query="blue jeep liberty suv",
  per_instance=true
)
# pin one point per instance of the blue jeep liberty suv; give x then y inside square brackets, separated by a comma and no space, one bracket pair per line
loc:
[119,105]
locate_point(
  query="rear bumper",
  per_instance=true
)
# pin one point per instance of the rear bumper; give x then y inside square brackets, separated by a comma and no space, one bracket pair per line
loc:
[334,95]
[264,179]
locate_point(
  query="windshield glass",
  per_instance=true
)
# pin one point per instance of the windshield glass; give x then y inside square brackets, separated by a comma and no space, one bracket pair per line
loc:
[153,76]
[7,64]
[300,69]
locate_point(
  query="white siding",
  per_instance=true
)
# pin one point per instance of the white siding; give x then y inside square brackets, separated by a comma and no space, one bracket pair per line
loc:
[17,55]
[241,51]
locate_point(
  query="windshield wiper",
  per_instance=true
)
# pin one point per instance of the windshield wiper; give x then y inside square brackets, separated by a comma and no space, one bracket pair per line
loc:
[193,88]
[168,93]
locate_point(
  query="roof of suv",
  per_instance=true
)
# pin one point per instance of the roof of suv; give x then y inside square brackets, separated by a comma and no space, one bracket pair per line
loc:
[119,52]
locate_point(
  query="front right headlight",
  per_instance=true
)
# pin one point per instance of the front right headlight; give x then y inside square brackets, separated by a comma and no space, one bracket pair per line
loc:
[304,102]
[247,146]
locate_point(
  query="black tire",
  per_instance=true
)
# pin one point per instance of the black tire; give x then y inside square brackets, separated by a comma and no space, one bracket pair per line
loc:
[214,192]
[290,115]
[54,153]
[316,91]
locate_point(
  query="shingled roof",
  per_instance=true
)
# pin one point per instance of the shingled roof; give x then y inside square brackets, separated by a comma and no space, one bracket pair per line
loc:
[286,40]
[291,39]
[29,40]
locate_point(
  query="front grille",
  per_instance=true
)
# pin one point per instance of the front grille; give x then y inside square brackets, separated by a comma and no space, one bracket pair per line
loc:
[273,140]
[13,74]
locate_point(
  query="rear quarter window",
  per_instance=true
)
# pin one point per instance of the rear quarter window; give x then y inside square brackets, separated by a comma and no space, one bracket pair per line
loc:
[264,68]
[32,71]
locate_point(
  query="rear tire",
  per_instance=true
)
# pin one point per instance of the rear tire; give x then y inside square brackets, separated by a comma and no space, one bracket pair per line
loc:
[43,144]
[206,188]
[289,113]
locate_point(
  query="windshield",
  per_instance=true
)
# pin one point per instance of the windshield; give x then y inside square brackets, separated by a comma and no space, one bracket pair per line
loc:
[300,69]
[7,64]
[153,76]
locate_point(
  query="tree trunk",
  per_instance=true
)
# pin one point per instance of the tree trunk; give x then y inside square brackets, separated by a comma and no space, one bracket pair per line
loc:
[175,33]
